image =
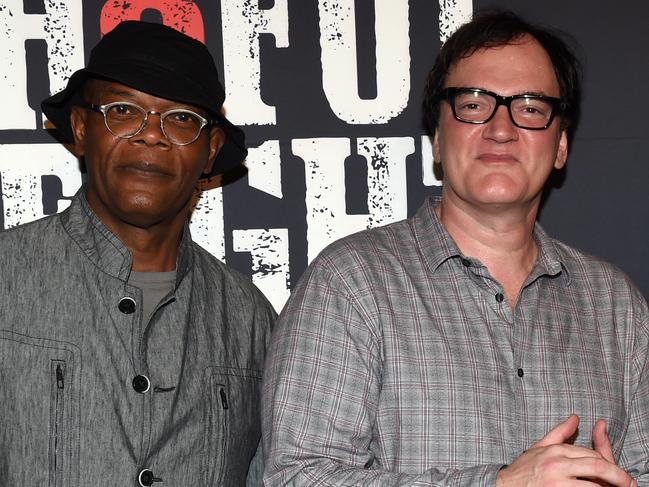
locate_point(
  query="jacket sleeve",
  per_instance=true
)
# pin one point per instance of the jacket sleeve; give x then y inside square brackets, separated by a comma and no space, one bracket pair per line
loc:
[321,394]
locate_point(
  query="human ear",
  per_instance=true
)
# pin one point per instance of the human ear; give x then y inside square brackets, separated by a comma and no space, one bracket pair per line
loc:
[78,123]
[562,151]
[435,144]
[217,138]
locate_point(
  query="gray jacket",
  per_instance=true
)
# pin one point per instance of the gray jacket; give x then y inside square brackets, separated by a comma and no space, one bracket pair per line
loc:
[74,407]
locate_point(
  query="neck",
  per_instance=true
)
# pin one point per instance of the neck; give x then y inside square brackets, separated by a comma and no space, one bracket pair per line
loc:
[153,250]
[153,243]
[501,238]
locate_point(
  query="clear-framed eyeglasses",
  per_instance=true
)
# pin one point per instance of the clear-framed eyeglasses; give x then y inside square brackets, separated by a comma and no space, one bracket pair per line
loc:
[124,119]
[475,105]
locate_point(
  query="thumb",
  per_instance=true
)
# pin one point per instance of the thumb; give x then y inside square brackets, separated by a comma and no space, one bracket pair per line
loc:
[560,433]
[601,441]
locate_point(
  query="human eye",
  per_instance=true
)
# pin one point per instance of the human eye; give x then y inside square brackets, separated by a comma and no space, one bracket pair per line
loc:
[533,108]
[183,119]
[473,105]
[122,111]
[469,106]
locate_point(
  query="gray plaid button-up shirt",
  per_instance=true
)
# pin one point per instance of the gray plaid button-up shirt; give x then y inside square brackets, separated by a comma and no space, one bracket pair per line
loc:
[397,362]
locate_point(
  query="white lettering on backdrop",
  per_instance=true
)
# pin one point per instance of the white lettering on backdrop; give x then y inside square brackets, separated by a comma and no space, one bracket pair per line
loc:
[27,169]
[243,21]
[23,167]
[324,158]
[339,60]
[61,28]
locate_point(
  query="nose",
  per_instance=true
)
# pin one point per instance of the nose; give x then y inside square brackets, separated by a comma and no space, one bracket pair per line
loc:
[501,128]
[152,134]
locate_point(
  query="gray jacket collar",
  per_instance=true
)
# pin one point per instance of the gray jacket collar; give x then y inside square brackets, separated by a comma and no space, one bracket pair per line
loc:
[104,249]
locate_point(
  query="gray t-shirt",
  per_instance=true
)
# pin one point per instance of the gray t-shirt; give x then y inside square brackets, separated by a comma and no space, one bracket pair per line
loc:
[155,286]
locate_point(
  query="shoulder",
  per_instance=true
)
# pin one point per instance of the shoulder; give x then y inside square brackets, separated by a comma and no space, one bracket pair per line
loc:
[30,228]
[398,248]
[588,270]
[32,241]
[603,282]
[358,273]
[230,284]
[368,250]
[33,263]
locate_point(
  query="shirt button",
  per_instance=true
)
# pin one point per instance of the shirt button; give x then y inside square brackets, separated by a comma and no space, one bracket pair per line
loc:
[141,384]
[500,298]
[520,372]
[466,262]
[127,305]
[145,477]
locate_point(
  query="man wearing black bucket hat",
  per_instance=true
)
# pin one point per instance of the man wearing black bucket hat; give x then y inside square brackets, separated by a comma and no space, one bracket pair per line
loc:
[129,355]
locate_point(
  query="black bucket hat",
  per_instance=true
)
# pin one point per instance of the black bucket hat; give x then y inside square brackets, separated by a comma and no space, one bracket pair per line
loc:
[162,62]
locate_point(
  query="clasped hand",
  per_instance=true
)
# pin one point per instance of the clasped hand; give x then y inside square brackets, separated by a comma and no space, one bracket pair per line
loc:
[553,462]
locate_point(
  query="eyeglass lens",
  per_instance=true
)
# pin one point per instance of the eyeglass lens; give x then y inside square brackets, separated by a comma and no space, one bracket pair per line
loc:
[179,126]
[478,107]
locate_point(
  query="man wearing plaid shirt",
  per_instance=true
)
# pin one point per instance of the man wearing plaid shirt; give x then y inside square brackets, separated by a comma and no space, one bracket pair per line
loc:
[464,346]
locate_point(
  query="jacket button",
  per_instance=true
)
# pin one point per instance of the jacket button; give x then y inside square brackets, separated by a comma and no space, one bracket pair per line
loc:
[127,305]
[141,384]
[145,477]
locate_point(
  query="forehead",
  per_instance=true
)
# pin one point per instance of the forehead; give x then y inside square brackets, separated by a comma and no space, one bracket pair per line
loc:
[105,91]
[519,67]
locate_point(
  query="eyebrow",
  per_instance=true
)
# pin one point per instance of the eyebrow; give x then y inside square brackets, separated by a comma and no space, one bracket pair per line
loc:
[535,93]
[131,95]
[119,92]
[522,92]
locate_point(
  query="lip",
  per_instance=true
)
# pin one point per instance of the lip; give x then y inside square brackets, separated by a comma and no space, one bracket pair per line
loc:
[144,169]
[496,158]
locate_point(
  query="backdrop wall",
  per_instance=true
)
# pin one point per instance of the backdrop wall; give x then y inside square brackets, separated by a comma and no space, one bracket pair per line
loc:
[329,94]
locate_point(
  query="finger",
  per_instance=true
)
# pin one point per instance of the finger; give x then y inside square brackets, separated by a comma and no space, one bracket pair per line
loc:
[564,465]
[560,433]
[596,469]
[564,450]
[601,441]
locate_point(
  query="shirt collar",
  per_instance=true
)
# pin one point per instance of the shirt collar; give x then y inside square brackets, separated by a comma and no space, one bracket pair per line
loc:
[438,246]
[436,243]
[550,260]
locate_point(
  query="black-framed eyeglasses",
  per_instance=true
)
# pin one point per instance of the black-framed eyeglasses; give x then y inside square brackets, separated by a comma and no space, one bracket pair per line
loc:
[124,119]
[475,105]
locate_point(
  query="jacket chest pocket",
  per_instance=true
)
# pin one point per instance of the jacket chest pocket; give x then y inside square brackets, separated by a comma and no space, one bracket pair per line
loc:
[232,424]
[40,420]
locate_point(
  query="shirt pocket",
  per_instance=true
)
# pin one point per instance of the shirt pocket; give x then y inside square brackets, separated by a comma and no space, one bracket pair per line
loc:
[39,380]
[232,423]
